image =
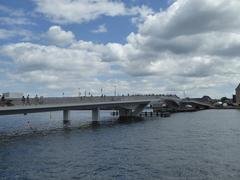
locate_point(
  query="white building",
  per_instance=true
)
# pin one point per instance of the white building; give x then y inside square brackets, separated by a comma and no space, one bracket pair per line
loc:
[12,95]
[238,94]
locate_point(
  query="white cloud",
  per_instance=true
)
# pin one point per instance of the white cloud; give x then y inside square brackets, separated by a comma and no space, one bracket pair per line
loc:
[4,34]
[78,11]
[101,29]
[195,41]
[57,36]
[33,57]
[53,66]
[12,12]
[110,52]
[185,17]
[11,16]
[14,21]
[22,34]
[143,12]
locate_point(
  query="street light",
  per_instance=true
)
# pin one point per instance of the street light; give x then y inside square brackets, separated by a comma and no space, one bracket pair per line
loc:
[79,93]
[115,90]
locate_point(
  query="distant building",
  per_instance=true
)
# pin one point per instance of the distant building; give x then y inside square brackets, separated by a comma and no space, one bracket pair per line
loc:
[238,94]
[10,95]
[234,98]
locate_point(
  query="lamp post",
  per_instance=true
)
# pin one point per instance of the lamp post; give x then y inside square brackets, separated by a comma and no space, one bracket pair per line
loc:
[115,90]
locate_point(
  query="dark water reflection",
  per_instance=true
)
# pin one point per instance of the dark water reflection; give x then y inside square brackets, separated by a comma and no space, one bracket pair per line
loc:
[200,145]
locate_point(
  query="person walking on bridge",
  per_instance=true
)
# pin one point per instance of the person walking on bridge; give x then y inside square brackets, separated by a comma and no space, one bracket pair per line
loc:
[28,100]
[3,98]
[2,103]
[23,100]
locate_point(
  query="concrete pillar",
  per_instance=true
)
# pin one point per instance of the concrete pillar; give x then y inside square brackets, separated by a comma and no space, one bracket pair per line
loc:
[138,109]
[96,115]
[66,115]
[125,112]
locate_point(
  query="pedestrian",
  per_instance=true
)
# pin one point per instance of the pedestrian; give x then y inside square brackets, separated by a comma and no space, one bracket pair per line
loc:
[23,100]
[2,103]
[28,100]
[3,98]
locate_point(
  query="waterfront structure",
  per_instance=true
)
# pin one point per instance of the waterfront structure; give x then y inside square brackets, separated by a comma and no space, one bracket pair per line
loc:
[12,95]
[127,106]
[238,94]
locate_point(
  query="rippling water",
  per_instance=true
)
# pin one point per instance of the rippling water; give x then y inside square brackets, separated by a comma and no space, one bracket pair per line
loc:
[199,145]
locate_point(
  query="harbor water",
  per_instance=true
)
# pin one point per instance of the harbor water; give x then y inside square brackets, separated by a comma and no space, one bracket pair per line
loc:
[196,145]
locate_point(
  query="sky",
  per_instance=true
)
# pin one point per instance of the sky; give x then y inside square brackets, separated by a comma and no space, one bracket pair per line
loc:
[181,47]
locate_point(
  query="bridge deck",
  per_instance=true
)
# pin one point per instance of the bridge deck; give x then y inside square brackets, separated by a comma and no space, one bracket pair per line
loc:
[81,103]
[198,102]
[20,109]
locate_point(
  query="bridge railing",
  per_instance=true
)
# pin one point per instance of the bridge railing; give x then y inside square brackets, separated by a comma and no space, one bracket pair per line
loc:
[83,99]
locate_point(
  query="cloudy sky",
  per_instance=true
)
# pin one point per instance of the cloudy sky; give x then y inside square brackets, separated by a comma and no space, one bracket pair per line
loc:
[140,46]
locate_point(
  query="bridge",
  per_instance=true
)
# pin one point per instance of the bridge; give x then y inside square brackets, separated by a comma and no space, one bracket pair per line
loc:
[177,104]
[127,106]
[197,104]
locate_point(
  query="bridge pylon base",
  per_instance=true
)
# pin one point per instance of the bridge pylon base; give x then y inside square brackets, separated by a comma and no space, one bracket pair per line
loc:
[66,115]
[95,114]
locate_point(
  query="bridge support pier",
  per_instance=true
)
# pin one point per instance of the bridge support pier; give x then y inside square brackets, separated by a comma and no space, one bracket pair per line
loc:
[95,114]
[139,109]
[125,112]
[131,113]
[66,115]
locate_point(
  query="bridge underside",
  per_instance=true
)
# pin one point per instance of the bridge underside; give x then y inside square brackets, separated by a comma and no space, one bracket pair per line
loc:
[196,106]
[125,111]
[172,105]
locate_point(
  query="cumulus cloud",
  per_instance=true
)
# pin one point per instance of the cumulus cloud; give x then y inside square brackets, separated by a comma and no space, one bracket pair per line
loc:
[101,29]
[78,11]
[33,57]
[185,17]
[186,30]
[143,12]
[54,67]
[56,35]
[194,40]
[111,52]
